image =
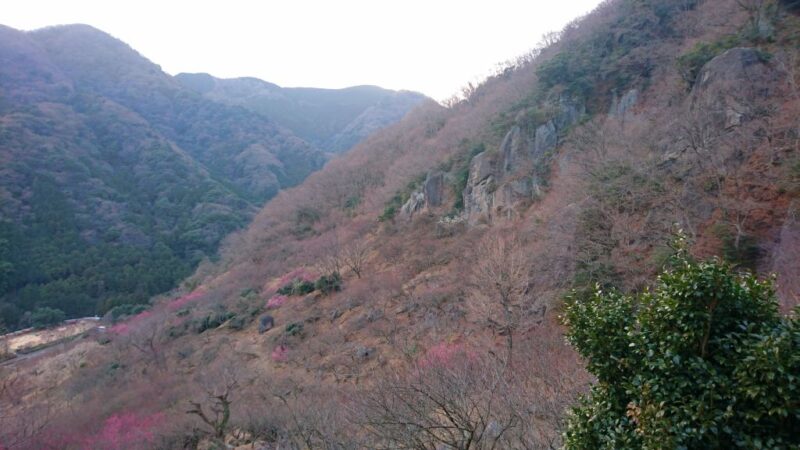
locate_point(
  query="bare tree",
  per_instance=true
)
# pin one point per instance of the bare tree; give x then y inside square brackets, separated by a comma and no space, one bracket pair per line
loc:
[721,151]
[549,38]
[150,340]
[218,414]
[591,142]
[331,260]
[304,416]
[354,256]
[20,423]
[501,282]
[465,403]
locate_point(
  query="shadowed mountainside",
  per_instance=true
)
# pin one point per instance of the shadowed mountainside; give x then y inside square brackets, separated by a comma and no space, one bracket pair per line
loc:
[116,180]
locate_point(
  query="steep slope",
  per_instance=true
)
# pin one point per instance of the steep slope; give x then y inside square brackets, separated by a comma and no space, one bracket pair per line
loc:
[116,181]
[332,119]
[581,161]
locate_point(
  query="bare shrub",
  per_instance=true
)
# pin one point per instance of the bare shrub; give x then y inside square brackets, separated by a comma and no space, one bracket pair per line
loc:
[501,282]
[20,424]
[355,255]
[461,402]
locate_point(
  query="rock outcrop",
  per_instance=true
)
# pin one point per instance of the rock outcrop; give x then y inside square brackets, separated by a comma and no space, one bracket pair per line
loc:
[480,188]
[433,189]
[620,106]
[730,85]
[429,196]
[414,204]
[499,182]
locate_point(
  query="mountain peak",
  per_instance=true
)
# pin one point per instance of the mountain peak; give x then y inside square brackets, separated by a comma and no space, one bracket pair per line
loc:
[85,51]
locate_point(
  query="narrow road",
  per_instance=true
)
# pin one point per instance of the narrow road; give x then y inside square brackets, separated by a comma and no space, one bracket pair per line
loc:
[46,348]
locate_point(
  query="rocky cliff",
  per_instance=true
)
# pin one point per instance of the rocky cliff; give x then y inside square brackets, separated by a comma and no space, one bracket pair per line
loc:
[501,180]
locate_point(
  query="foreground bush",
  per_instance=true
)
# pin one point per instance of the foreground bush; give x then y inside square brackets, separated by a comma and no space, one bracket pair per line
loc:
[705,360]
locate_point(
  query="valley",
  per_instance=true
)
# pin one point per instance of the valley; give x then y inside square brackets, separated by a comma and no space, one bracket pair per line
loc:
[595,247]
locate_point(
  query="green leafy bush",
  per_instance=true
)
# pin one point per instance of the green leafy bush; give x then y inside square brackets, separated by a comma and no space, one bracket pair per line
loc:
[614,57]
[328,284]
[294,329]
[390,210]
[297,287]
[211,321]
[705,360]
[237,323]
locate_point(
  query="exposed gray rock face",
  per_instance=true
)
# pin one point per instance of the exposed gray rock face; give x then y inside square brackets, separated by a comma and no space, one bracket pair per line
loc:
[480,168]
[415,203]
[547,135]
[480,186]
[507,196]
[433,189]
[569,113]
[429,196]
[735,65]
[730,85]
[496,190]
[621,106]
[546,138]
[479,201]
[515,150]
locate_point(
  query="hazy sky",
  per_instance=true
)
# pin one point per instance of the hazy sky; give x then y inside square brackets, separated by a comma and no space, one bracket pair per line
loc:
[430,46]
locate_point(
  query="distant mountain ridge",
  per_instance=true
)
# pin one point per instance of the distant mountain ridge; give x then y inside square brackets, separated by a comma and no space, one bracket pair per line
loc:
[332,119]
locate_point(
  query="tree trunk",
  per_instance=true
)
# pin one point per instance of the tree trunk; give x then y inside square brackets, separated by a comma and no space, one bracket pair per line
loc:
[509,347]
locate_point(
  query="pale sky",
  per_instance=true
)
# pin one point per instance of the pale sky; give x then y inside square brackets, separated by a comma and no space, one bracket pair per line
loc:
[430,46]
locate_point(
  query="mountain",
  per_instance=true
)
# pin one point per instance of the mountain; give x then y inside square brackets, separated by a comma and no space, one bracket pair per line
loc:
[413,292]
[332,119]
[116,181]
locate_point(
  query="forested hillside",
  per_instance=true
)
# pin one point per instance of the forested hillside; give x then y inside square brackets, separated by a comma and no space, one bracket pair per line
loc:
[119,179]
[116,180]
[578,253]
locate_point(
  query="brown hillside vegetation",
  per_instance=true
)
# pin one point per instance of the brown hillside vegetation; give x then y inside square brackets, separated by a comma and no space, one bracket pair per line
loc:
[415,283]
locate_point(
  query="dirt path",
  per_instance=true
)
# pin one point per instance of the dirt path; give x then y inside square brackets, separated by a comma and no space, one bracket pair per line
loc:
[19,341]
